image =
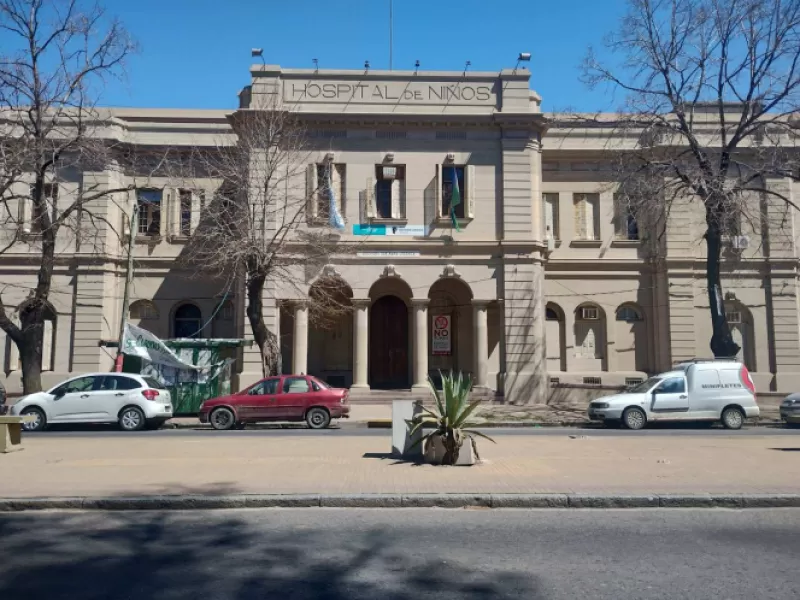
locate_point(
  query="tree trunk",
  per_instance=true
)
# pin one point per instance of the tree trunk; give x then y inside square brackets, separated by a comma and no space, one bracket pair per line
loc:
[30,350]
[722,344]
[267,341]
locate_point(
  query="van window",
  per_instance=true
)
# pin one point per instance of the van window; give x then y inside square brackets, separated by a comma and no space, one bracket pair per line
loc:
[645,386]
[673,385]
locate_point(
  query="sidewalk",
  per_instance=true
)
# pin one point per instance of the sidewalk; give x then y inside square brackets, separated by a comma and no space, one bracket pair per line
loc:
[338,464]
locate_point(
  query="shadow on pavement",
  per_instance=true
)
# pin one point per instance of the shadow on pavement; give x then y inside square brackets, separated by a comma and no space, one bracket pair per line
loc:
[176,556]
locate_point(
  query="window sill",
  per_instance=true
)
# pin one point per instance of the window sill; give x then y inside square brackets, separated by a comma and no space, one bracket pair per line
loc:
[144,238]
[442,221]
[178,239]
[622,243]
[382,221]
[586,243]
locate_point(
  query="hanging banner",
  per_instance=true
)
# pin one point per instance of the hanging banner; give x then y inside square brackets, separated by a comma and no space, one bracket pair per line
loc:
[140,342]
[441,344]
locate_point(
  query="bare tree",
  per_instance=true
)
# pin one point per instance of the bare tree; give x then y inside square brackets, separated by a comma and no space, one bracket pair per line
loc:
[711,94]
[55,59]
[269,222]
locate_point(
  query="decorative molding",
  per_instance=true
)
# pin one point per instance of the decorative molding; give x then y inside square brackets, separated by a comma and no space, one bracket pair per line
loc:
[449,272]
[390,271]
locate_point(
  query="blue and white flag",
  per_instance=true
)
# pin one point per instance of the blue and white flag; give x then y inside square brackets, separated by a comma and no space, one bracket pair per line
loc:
[334,218]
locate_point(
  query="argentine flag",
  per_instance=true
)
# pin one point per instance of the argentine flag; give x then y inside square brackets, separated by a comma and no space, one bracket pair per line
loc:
[334,218]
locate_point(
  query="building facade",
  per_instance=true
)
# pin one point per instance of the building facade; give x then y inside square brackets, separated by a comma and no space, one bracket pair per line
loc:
[539,277]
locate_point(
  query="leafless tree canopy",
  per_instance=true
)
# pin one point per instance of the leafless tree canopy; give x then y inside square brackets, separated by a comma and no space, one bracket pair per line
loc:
[56,58]
[258,227]
[709,115]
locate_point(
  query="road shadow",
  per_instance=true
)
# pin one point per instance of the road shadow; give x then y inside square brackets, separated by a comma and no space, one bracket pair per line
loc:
[228,555]
[786,449]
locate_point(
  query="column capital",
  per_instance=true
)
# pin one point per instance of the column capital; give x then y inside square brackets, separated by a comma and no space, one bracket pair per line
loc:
[361,302]
[420,302]
[295,303]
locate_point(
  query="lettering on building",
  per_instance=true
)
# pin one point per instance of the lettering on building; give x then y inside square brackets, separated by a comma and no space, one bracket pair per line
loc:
[393,92]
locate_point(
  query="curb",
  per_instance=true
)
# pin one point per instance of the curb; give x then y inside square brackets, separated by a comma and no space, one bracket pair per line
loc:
[383,424]
[496,501]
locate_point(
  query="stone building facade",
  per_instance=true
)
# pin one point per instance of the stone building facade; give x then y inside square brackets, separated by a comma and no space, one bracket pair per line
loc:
[544,279]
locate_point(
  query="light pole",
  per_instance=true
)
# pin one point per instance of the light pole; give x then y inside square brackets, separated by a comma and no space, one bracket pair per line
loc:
[126,296]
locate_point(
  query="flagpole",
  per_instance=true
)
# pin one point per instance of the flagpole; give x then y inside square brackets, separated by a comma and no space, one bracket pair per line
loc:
[391,33]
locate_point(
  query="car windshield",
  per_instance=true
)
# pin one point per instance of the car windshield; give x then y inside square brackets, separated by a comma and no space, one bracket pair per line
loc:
[645,386]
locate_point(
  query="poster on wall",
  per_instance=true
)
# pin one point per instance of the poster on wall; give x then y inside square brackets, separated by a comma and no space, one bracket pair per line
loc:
[441,335]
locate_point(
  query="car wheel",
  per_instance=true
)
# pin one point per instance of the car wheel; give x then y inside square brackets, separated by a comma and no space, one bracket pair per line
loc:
[318,418]
[634,418]
[132,419]
[222,419]
[732,418]
[40,420]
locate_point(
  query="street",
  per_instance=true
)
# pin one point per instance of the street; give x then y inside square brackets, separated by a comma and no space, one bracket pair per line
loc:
[347,430]
[401,554]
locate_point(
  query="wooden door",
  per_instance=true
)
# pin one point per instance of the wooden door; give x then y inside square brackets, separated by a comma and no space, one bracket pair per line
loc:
[388,344]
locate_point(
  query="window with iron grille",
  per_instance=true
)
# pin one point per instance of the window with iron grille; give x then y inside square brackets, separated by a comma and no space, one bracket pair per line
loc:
[592,381]
[633,381]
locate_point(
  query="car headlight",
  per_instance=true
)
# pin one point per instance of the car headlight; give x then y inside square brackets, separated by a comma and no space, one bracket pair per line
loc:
[788,402]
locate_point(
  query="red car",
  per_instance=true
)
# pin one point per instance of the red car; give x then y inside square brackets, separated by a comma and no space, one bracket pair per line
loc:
[285,398]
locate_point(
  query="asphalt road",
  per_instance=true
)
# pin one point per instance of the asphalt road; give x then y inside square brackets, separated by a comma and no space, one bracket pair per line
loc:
[332,554]
[89,431]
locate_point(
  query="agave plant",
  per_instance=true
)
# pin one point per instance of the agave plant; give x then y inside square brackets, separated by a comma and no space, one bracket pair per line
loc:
[448,419]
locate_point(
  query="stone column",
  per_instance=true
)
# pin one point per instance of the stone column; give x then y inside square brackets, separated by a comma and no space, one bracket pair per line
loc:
[360,343]
[420,308]
[300,346]
[480,342]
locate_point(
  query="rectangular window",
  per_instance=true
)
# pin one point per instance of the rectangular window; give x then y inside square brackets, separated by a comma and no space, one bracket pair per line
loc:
[587,213]
[149,202]
[390,191]
[551,227]
[448,179]
[625,225]
[185,199]
[330,180]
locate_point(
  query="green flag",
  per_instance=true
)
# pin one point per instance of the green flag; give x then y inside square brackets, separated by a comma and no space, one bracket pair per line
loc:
[455,200]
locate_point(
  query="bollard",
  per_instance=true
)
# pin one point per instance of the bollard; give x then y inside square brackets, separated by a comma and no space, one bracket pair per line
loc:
[402,440]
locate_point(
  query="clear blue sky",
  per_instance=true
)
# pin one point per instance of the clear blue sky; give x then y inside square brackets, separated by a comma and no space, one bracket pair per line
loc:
[196,53]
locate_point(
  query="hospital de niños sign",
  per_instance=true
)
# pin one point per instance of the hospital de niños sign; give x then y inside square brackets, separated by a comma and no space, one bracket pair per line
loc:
[394,92]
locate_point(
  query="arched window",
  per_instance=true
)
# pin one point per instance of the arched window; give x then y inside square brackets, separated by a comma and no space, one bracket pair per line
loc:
[555,338]
[187,321]
[741,323]
[629,314]
[590,336]
[142,310]
[633,353]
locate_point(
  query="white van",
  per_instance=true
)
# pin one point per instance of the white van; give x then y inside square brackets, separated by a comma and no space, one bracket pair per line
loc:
[697,390]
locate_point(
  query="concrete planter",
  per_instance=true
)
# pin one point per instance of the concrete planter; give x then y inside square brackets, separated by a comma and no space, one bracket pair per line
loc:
[434,452]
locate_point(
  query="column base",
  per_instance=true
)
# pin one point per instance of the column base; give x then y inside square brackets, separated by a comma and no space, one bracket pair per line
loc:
[359,386]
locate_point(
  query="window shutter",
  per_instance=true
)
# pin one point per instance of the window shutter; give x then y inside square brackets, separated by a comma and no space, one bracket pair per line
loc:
[311,190]
[197,207]
[589,211]
[174,211]
[47,346]
[369,199]
[337,182]
[13,352]
[25,207]
[620,220]
[580,217]
[549,217]
[438,188]
[469,184]
[396,199]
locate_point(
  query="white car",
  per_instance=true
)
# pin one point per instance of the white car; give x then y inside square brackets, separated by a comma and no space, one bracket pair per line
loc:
[698,390]
[133,401]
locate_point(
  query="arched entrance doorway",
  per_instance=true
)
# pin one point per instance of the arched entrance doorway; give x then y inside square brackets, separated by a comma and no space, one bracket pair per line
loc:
[388,341]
